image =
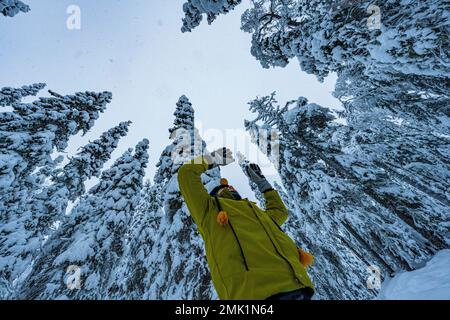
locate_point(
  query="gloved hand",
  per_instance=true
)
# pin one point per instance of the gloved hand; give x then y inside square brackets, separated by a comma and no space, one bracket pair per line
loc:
[221,157]
[256,176]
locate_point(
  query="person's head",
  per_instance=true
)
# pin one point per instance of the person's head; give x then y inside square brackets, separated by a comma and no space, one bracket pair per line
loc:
[224,190]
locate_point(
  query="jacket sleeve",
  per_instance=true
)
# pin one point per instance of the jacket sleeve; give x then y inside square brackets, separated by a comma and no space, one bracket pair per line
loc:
[275,207]
[194,193]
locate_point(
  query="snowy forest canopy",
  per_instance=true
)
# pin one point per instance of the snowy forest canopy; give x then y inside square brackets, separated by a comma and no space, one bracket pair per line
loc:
[368,190]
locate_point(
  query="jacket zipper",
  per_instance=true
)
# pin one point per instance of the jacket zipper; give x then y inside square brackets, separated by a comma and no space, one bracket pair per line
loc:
[235,235]
[239,244]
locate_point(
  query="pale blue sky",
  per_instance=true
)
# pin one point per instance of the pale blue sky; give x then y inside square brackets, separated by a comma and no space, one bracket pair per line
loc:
[135,49]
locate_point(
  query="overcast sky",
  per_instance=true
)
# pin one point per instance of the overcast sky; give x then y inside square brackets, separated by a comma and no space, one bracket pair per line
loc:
[135,49]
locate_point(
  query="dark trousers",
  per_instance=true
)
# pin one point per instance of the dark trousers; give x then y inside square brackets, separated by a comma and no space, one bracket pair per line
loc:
[304,294]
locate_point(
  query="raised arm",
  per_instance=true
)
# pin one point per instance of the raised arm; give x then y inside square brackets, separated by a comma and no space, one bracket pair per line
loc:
[275,207]
[191,187]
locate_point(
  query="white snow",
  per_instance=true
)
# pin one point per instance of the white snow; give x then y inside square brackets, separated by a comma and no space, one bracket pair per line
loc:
[431,282]
[397,120]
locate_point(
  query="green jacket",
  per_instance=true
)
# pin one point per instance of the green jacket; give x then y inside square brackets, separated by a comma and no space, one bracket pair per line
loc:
[251,258]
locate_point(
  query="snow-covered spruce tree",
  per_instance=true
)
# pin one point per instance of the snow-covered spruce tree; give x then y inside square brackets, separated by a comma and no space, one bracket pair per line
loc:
[28,136]
[9,8]
[195,9]
[50,205]
[407,145]
[129,283]
[177,265]
[11,163]
[91,242]
[345,218]
[19,259]
[32,131]
[327,36]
